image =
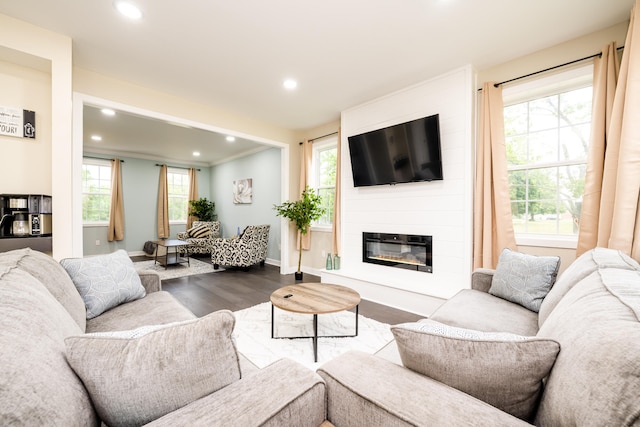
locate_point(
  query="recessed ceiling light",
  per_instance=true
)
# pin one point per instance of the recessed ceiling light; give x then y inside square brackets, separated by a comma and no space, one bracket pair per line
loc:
[108,112]
[128,9]
[231,138]
[290,84]
[196,153]
[96,137]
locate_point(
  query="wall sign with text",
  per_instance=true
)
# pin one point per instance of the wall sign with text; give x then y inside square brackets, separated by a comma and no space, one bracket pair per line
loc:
[17,122]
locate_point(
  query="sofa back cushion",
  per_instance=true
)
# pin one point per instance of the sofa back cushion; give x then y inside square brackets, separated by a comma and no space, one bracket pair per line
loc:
[51,274]
[596,378]
[37,386]
[582,267]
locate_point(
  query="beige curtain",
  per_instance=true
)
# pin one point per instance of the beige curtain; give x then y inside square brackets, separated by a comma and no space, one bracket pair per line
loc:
[619,218]
[605,76]
[116,212]
[163,204]
[305,167]
[335,228]
[493,226]
[193,194]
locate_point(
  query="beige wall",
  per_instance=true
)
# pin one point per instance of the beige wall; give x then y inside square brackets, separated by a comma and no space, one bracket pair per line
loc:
[26,163]
[27,45]
[565,52]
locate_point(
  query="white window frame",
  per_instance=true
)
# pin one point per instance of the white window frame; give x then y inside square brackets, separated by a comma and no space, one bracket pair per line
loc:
[178,171]
[102,163]
[327,143]
[577,77]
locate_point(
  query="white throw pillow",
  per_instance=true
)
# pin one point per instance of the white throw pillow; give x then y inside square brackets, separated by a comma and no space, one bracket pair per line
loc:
[104,281]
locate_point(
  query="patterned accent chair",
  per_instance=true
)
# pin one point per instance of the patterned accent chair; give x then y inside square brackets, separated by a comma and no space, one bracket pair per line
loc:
[248,249]
[200,245]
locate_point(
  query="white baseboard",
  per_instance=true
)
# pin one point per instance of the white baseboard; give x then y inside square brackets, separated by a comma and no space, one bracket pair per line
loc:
[412,302]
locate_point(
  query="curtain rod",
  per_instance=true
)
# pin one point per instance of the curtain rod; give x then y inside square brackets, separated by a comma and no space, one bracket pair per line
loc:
[100,158]
[176,167]
[320,137]
[550,68]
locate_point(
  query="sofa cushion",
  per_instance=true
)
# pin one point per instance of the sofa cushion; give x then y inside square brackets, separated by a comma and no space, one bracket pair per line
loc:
[156,308]
[483,312]
[524,279]
[104,281]
[582,267]
[134,377]
[502,369]
[199,231]
[37,386]
[596,378]
[51,274]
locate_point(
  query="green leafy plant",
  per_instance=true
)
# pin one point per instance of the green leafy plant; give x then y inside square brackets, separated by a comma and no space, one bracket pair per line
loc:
[302,213]
[202,209]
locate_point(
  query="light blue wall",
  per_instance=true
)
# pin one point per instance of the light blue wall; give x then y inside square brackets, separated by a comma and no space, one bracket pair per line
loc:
[140,197]
[264,168]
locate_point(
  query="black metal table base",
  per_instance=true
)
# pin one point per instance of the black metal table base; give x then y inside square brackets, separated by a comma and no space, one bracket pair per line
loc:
[315,332]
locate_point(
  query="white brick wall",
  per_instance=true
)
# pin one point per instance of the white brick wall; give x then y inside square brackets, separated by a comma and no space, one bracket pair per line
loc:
[442,209]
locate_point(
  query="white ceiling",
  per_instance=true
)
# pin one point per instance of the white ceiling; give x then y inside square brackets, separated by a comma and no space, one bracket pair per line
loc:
[235,54]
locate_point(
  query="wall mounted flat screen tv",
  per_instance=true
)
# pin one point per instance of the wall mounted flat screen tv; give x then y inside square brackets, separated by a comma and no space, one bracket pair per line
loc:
[406,152]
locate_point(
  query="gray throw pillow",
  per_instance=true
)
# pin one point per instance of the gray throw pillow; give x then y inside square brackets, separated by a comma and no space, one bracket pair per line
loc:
[104,281]
[135,377]
[524,279]
[505,370]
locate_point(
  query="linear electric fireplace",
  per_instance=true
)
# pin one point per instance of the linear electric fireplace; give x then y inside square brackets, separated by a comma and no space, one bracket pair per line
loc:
[398,250]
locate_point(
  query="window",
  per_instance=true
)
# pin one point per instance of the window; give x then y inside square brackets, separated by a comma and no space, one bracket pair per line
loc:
[178,189]
[325,156]
[547,132]
[96,191]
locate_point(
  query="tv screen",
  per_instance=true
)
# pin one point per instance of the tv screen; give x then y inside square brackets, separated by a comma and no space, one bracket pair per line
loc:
[406,152]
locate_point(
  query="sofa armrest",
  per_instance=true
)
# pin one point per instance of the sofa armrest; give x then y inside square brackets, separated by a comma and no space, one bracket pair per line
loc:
[481,279]
[182,235]
[150,280]
[283,393]
[365,390]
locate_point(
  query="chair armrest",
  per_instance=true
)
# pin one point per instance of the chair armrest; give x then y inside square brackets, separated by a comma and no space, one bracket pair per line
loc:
[182,235]
[283,393]
[481,279]
[150,280]
[365,387]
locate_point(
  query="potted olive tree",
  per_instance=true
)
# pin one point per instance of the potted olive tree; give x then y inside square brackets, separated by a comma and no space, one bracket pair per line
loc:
[302,213]
[202,209]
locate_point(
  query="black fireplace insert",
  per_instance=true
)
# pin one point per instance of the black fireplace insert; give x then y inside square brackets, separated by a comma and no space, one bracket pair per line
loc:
[398,250]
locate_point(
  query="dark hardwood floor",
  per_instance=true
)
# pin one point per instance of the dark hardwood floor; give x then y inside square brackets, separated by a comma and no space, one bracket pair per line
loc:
[236,289]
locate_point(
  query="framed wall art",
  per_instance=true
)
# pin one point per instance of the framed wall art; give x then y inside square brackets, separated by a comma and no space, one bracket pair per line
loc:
[242,191]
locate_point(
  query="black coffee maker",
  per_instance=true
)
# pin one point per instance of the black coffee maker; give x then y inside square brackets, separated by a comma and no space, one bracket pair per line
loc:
[6,217]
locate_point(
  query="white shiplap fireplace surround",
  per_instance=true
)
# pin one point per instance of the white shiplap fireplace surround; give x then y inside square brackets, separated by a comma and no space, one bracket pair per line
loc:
[442,209]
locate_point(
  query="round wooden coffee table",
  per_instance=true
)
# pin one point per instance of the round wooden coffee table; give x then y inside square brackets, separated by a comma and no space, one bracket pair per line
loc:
[314,298]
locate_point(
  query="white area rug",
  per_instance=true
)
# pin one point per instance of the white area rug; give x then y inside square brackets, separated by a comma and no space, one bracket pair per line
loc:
[253,335]
[173,271]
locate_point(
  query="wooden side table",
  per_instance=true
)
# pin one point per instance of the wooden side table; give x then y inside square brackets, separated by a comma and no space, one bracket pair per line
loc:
[315,298]
[172,258]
